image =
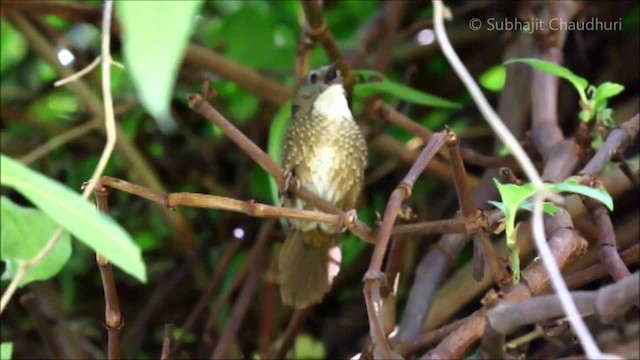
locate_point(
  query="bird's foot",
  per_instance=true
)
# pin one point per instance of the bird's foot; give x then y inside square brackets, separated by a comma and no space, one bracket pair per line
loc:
[348,219]
[288,176]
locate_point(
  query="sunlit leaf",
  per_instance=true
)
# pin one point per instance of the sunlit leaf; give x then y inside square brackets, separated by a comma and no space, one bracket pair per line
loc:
[25,231]
[578,82]
[599,194]
[75,214]
[306,347]
[6,350]
[155,35]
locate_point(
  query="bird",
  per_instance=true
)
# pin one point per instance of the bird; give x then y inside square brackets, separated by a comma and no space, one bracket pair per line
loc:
[325,150]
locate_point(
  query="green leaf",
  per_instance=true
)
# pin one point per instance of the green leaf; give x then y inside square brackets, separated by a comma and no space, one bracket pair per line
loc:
[403,92]
[494,78]
[608,90]
[306,347]
[73,213]
[155,35]
[6,350]
[25,231]
[277,133]
[599,194]
[604,92]
[400,91]
[550,68]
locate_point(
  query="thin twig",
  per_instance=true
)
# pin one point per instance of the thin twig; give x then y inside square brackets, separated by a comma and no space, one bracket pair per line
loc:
[87,69]
[58,141]
[167,341]
[251,208]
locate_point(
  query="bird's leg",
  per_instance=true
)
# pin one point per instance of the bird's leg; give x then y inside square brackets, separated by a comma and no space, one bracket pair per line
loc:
[288,175]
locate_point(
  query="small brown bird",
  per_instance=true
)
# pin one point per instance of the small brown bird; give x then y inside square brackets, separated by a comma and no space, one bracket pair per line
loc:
[326,151]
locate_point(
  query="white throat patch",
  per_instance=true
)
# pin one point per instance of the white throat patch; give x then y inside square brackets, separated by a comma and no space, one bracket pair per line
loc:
[332,103]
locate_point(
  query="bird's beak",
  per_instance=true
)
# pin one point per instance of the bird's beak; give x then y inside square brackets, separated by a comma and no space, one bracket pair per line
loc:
[332,75]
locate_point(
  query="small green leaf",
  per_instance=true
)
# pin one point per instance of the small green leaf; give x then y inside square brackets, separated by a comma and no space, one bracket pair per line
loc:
[75,214]
[599,194]
[155,35]
[494,78]
[608,90]
[6,350]
[14,46]
[578,82]
[25,231]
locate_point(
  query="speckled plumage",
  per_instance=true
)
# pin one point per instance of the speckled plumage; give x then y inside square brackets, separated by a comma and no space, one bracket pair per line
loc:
[326,151]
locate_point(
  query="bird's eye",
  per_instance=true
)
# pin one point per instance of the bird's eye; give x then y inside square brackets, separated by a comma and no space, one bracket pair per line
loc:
[313,77]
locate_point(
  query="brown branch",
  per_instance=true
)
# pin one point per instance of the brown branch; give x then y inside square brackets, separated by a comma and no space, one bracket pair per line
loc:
[198,104]
[616,142]
[166,341]
[609,255]
[113,315]
[427,339]
[374,278]
[566,246]
[607,303]
[598,271]
[245,298]
[250,208]
[318,30]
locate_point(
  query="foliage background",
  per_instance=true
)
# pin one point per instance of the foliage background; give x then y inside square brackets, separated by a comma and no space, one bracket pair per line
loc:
[182,249]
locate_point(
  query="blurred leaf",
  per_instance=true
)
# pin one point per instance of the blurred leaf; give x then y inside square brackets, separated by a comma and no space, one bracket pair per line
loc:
[400,91]
[277,133]
[260,188]
[58,106]
[249,45]
[76,215]
[155,35]
[599,194]
[25,232]
[243,106]
[550,68]
[13,46]
[494,78]
[306,347]
[547,208]
[6,350]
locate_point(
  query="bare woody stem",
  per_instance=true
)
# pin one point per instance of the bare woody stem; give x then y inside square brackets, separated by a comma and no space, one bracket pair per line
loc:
[206,201]
[113,315]
[374,277]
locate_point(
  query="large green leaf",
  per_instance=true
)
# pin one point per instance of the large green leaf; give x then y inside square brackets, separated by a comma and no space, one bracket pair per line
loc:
[386,86]
[578,82]
[155,35]
[80,218]
[25,231]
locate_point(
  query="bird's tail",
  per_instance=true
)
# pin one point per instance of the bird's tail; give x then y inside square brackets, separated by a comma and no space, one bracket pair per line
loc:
[306,271]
